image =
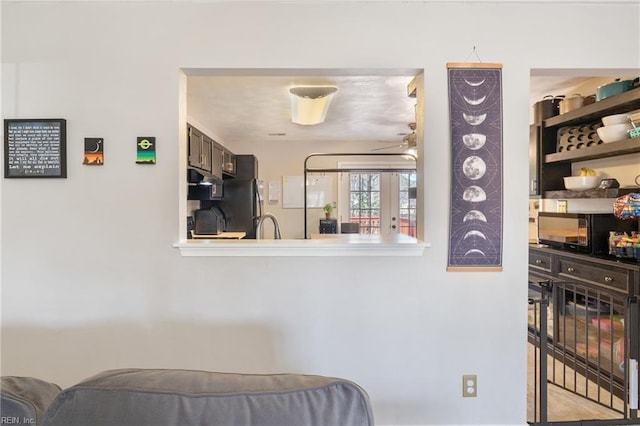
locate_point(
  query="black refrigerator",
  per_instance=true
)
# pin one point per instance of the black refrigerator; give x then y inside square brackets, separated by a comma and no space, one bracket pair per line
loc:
[242,201]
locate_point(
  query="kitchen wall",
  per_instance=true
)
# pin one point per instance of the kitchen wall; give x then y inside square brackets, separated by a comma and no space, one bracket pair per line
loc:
[90,280]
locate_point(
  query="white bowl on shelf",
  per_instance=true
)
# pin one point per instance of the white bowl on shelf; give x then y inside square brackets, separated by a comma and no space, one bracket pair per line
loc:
[581,183]
[614,132]
[610,120]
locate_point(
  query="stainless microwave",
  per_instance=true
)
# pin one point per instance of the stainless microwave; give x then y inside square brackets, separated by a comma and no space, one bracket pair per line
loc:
[581,232]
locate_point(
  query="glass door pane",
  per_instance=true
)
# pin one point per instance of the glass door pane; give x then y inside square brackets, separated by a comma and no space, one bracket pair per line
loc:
[407,211]
[365,201]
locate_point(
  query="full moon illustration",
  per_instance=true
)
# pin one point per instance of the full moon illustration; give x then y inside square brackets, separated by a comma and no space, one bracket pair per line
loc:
[474,194]
[474,167]
[474,215]
[474,141]
[474,120]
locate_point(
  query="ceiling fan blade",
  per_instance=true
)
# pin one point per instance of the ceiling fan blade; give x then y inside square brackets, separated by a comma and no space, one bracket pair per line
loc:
[388,147]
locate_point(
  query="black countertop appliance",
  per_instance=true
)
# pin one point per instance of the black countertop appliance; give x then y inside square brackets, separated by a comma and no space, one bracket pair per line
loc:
[581,232]
[209,221]
[328,226]
[242,204]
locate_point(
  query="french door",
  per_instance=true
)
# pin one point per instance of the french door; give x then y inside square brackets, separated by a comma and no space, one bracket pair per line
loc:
[380,202]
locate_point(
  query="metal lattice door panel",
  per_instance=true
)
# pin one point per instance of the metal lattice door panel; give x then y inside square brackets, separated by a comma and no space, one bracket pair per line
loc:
[591,337]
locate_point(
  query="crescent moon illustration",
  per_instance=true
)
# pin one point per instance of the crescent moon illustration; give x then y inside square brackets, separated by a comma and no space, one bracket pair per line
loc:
[97,146]
[474,251]
[474,141]
[474,193]
[474,167]
[474,215]
[474,84]
[474,234]
[474,101]
[474,120]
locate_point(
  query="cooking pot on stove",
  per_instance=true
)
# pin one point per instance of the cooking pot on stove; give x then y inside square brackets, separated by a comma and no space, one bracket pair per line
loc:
[615,88]
[574,101]
[547,107]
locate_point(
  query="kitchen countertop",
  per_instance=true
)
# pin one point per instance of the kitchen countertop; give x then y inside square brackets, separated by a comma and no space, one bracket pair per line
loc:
[338,245]
[393,238]
[221,236]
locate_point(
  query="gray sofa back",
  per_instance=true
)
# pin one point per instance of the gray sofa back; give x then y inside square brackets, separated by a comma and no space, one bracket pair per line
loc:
[23,400]
[184,397]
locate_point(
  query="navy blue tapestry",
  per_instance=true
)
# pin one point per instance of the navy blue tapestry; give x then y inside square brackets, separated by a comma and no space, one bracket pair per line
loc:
[475,113]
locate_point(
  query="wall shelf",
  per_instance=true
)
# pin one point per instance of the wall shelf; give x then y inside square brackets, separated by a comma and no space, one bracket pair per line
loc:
[593,112]
[613,149]
[589,193]
[548,167]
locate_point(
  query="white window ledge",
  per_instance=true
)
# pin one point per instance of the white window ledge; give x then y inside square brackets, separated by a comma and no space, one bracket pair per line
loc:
[338,245]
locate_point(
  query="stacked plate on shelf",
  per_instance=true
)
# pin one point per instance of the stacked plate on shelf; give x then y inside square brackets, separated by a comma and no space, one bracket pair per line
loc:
[616,128]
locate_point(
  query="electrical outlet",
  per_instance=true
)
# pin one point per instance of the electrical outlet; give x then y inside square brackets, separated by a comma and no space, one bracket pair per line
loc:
[561,206]
[469,386]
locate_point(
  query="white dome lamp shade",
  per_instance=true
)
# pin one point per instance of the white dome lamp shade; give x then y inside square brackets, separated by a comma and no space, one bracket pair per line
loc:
[309,104]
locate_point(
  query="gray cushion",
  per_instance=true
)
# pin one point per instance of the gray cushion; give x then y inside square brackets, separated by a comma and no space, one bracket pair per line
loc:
[25,398]
[184,397]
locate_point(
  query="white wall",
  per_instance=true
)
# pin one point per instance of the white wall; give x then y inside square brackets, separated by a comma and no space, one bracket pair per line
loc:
[90,280]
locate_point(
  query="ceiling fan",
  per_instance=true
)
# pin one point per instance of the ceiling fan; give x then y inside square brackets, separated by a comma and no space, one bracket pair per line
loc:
[408,141]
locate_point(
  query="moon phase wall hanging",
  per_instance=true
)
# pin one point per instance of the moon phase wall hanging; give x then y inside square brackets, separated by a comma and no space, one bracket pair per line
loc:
[475,114]
[146,150]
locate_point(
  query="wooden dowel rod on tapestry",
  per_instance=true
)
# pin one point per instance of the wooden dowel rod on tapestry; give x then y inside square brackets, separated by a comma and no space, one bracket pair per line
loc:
[474,269]
[473,65]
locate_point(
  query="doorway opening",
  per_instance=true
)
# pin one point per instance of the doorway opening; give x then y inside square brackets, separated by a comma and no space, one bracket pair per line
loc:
[569,382]
[382,202]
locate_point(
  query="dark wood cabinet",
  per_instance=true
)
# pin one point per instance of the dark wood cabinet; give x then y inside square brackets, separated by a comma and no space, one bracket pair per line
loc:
[601,272]
[195,138]
[200,146]
[593,324]
[228,163]
[216,160]
[610,278]
[540,263]
[207,156]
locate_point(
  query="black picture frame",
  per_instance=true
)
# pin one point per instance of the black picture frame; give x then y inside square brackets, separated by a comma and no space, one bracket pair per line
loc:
[35,148]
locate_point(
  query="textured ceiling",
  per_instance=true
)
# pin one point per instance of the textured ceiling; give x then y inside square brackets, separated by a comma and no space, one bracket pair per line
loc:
[367,107]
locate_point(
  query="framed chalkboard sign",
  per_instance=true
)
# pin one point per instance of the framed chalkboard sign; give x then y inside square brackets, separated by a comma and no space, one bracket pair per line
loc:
[35,148]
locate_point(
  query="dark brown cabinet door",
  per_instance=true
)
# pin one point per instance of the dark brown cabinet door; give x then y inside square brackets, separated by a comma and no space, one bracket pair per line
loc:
[216,160]
[195,148]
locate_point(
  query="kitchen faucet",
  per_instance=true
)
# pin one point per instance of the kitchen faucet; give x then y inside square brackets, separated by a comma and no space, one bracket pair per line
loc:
[276,226]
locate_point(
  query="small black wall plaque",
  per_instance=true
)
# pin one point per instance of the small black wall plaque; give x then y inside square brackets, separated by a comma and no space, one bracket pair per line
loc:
[35,148]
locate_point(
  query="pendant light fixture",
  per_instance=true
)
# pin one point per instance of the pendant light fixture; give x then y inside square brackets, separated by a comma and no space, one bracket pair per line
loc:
[309,104]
